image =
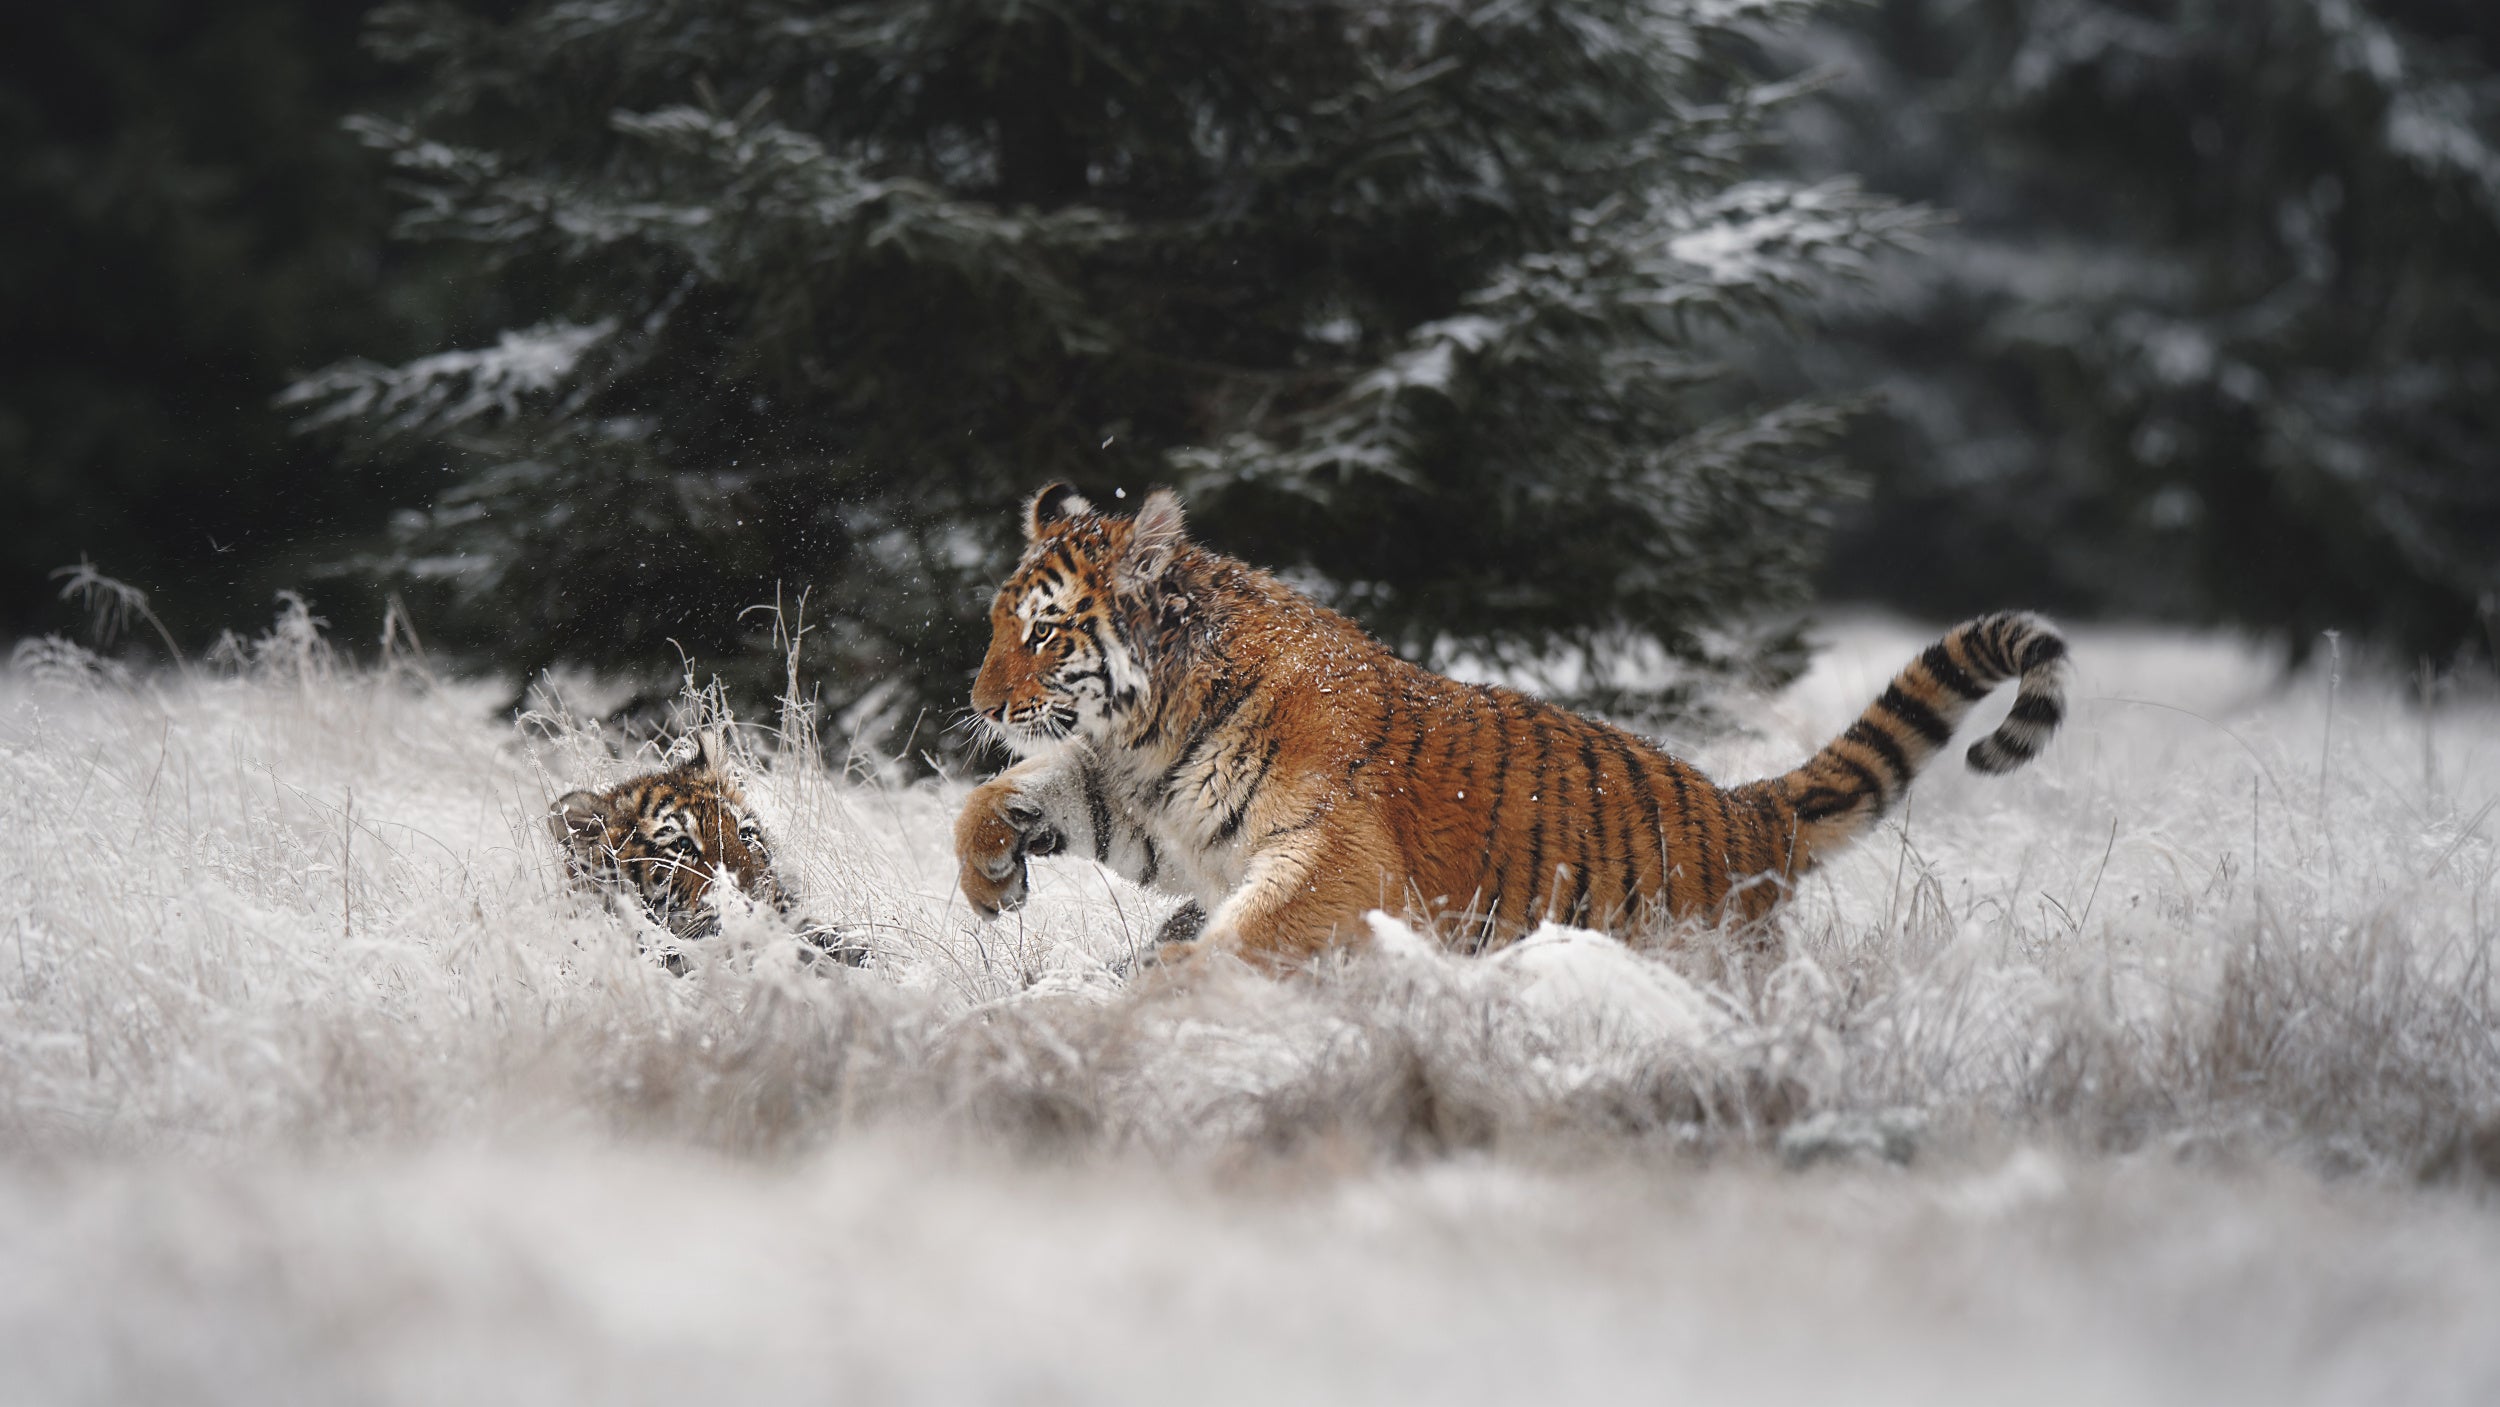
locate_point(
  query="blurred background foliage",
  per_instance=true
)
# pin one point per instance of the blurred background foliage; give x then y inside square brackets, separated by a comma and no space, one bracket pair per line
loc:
[2216,334]
[183,227]
[1526,330]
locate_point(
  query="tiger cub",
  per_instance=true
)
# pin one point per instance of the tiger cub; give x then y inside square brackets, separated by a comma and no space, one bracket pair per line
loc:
[1203,728]
[682,842]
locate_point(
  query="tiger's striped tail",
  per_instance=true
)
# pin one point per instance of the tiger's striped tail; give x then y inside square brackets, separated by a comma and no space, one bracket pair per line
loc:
[1843,789]
[2021,645]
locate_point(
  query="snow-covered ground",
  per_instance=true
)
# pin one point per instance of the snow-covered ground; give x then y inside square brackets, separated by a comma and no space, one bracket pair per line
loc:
[2165,1071]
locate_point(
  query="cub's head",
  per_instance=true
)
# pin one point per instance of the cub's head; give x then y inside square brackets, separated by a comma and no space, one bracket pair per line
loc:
[681,840]
[1071,630]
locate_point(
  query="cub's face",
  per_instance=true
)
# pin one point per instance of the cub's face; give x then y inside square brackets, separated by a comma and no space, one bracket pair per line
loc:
[1062,660]
[680,840]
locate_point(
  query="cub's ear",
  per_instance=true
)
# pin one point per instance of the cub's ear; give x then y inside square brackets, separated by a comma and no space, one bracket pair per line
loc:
[1157,533]
[579,819]
[711,752]
[1056,503]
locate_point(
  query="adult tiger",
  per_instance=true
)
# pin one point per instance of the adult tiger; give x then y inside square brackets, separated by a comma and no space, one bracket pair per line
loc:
[1201,727]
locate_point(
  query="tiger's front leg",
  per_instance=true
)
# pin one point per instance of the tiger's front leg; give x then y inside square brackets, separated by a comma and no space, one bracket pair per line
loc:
[1005,821]
[1043,806]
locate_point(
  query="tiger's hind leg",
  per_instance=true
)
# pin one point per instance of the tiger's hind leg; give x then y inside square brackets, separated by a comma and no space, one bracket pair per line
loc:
[1172,942]
[1184,925]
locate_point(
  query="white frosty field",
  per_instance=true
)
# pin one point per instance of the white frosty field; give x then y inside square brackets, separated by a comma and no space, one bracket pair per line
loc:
[2165,1071]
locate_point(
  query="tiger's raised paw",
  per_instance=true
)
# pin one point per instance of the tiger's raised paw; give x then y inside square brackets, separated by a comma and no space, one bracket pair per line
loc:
[998,829]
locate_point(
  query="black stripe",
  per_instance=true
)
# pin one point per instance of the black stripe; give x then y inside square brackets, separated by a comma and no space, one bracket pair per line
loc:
[1639,773]
[1997,754]
[1380,729]
[1232,752]
[1209,719]
[1870,785]
[1217,668]
[1241,810]
[1683,821]
[1501,776]
[1309,820]
[2043,649]
[1823,800]
[1154,861]
[1126,698]
[1979,642]
[1712,859]
[1100,809]
[2037,708]
[1939,662]
[1494,851]
[1466,742]
[1415,745]
[1092,629]
[1915,716]
[1986,643]
[2002,633]
[1783,848]
[1822,803]
[1727,841]
[1466,748]
[1596,831]
[1974,638]
[1536,829]
[2011,632]
[1867,735]
[1766,819]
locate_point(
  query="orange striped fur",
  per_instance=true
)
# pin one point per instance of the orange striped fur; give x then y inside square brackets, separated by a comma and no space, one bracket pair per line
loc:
[674,847]
[1201,727]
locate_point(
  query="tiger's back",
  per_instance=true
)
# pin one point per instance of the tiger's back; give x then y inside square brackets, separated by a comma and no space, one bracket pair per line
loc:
[1199,725]
[1513,811]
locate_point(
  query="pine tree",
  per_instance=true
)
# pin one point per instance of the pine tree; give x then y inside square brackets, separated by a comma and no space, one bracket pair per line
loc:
[2219,333]
[1422,304]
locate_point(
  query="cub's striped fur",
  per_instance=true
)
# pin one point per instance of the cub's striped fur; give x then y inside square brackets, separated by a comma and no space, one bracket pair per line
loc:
[683,844]
[1199,726]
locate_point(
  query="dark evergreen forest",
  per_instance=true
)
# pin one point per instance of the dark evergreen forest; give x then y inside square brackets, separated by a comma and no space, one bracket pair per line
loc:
[1601,330]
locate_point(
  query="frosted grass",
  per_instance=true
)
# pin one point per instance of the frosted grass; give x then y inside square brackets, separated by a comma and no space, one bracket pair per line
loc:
[315,1082]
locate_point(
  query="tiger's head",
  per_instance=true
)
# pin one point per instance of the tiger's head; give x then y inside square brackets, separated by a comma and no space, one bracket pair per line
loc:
[681,840]
[1070,629]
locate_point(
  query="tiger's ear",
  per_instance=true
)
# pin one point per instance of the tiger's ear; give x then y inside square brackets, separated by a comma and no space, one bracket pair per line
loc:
[578,820]
[711,752]
[1057,502]
[1157,533]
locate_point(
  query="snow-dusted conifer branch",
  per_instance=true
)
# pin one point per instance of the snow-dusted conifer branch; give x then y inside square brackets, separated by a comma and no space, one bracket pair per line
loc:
[860,279]
[450,391]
